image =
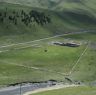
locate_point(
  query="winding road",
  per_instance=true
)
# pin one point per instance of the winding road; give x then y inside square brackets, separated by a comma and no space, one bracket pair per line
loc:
[29,88]
[20,90]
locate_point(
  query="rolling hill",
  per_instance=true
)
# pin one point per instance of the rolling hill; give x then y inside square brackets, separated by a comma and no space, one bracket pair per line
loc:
[57,4]
[69,19]
[22,21]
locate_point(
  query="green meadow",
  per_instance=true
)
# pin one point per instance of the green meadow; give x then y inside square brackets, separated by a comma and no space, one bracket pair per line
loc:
[56,59]
[15,64]
[71,91]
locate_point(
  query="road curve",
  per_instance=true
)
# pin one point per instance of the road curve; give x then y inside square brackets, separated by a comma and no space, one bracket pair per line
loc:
[30,88]
[20,90]
[50,88]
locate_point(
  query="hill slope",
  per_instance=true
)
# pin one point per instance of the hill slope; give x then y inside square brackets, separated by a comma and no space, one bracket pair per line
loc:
[20,23]
[13,27]
[57,4]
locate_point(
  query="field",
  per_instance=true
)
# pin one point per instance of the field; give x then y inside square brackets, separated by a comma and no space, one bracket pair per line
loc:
[23,60]
[71,91]
[59,5]
[31,61]
[35,56]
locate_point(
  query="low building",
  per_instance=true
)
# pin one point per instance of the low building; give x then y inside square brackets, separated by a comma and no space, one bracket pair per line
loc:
[67,44]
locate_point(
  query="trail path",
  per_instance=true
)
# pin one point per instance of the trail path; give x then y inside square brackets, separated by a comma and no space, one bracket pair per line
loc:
[79,59]
[43,39]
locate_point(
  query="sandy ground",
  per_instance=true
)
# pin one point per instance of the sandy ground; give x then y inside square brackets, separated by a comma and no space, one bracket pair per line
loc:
[50,88]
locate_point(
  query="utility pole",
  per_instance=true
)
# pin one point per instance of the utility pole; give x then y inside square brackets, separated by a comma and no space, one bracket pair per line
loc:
[20,88]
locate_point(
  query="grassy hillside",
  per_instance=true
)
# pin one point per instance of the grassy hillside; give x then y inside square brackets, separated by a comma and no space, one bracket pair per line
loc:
[16,63]
[85,71]
[20,23]
[34,3]
[61,22]
[35,56]
[58,4]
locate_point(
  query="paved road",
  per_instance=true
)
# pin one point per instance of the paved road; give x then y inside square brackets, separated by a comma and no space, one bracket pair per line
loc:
[15,90]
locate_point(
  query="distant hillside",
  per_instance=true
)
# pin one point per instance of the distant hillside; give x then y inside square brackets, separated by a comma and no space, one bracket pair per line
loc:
[84,5]
[13,23]
[34,3]
[59,5]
